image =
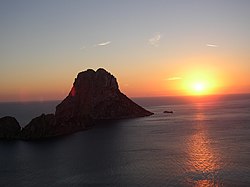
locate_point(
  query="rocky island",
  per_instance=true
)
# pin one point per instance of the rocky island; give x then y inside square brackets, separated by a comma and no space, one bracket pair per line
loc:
[9,127]
[95,96]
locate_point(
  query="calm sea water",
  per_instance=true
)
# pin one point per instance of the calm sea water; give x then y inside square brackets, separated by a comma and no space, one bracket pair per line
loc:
[205,142]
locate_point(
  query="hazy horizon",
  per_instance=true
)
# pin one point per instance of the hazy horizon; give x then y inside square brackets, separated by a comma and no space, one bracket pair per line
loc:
[195,97]
[153,48]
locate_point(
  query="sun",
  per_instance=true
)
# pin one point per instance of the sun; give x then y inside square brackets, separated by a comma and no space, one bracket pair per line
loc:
[199,87]
[199,82]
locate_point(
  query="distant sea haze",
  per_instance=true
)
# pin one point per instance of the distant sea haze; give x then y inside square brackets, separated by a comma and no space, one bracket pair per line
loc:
[204,142]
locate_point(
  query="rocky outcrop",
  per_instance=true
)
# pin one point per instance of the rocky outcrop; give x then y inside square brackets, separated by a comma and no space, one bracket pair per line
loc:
[9,127]
[168,112]
[96,95]
[40,127]
[45,126]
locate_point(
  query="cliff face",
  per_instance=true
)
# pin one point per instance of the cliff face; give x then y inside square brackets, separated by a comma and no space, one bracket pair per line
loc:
[96,95]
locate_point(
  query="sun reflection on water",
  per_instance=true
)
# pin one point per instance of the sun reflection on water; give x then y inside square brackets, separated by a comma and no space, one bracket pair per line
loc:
[203,161]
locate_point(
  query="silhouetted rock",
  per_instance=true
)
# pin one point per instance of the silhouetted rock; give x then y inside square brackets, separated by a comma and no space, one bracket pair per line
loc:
[96,95]
[9,127]
[40,127]
[45,126]
[168,112]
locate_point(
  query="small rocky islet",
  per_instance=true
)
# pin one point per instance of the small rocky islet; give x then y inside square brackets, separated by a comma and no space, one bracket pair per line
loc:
[95,96]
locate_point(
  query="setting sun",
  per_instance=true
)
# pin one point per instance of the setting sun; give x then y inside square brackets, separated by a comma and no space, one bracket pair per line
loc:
[200,80]
[199,83]
[199,87]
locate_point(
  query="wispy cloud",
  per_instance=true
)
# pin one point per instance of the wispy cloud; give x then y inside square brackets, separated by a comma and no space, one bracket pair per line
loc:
[83,48]
[96,45]
[104,43]
[212,45]
[173,78]
[155,40]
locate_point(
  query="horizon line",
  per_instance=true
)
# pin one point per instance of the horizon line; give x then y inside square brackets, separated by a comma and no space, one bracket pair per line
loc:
[132,97]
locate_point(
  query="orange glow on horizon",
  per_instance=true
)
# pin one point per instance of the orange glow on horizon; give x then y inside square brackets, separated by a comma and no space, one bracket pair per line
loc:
[164,80]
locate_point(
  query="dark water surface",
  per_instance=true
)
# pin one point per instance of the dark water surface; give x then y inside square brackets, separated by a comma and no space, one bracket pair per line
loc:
[205,142]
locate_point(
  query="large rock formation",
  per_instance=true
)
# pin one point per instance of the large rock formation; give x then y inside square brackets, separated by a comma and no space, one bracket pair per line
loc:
[9,127]
[96,95]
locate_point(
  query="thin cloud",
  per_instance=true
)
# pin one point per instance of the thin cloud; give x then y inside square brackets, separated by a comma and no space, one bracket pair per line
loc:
[212,45]
[95,45]
[155,40]
[104,43]
[83,48]
[173,78]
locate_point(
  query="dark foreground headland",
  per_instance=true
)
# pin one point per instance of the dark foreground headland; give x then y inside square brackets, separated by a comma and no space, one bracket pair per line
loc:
[95,96]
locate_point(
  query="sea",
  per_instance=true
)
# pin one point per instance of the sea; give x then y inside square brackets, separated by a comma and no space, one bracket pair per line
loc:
[204,142]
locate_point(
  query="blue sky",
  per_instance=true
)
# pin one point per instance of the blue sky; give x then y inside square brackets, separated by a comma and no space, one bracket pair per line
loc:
[46,42]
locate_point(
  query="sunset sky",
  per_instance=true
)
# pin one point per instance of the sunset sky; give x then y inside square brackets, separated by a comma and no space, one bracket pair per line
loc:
[154,48]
